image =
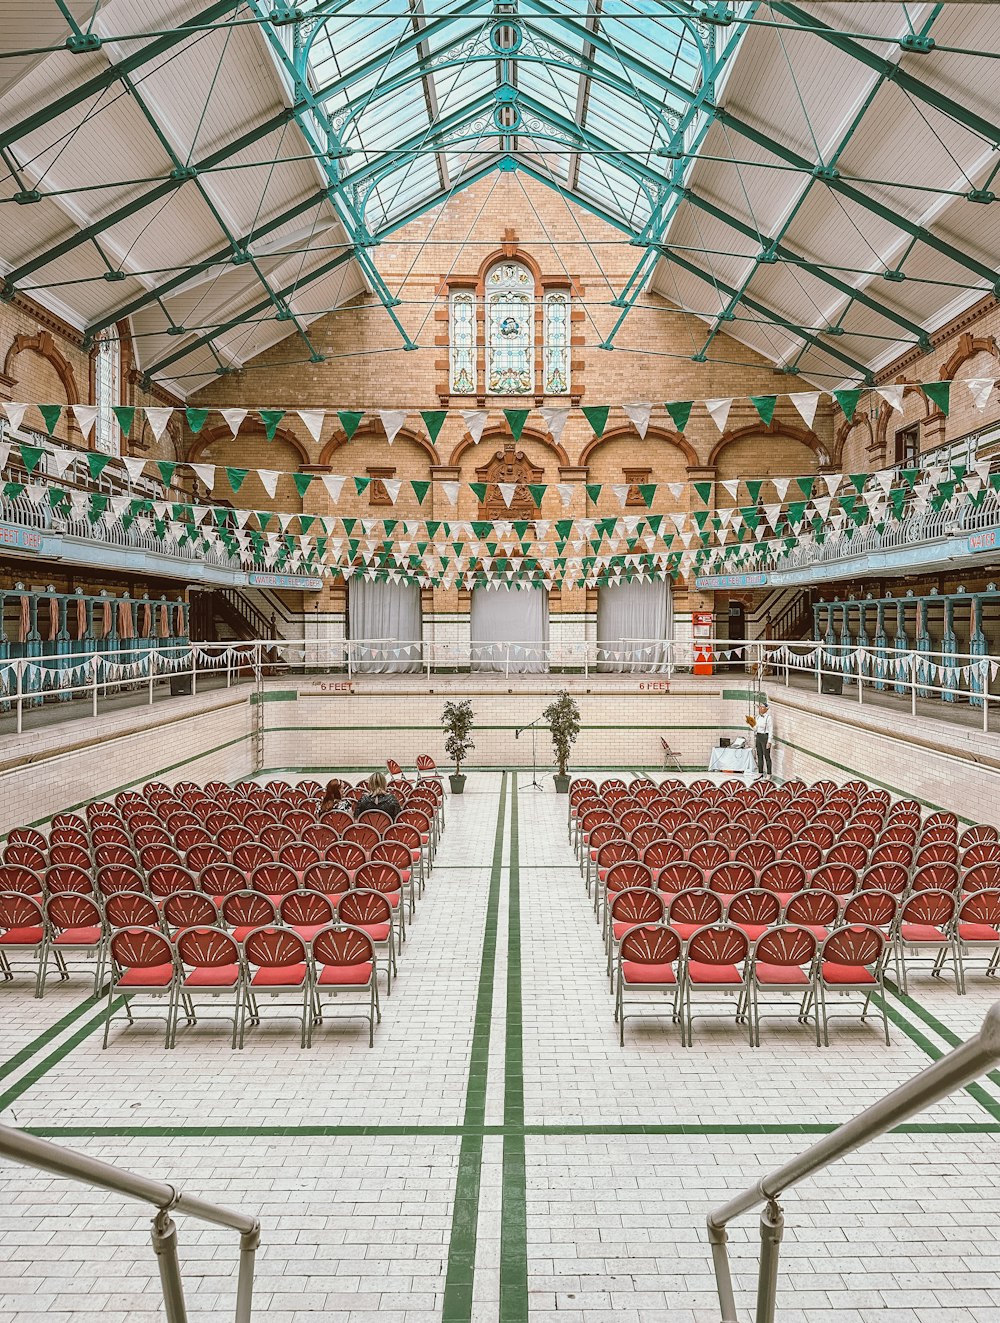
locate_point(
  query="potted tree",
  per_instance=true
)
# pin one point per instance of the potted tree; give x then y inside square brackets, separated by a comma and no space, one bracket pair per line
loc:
[456,719]
[563,717]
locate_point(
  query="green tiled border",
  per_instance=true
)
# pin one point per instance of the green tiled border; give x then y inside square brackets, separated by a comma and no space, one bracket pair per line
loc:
[513,1205]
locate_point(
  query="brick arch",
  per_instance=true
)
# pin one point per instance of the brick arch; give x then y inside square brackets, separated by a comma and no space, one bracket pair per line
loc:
[496,433]
[844,431]
[968,347]
[369,432]
[804,436]
[209,436]
[675,439]
[45,347]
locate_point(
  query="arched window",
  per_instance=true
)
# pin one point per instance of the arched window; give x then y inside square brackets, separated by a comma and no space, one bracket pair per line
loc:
[513,351]
[107,389]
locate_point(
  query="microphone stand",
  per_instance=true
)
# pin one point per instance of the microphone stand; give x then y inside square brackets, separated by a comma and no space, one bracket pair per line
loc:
[533,727]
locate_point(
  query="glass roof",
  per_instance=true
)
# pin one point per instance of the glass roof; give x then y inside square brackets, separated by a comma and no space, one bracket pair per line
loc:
[424,95]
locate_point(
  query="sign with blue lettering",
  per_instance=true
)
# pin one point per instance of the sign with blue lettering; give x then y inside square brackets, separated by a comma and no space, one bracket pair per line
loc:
[15,538]
[730,580]
[311,582]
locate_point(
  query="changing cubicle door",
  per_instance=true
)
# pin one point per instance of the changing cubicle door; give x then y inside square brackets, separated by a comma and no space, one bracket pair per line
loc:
[509,630]
[384,626]
[634,626]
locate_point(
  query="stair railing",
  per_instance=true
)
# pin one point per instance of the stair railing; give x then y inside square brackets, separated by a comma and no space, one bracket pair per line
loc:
[960,1067]
[31,1151]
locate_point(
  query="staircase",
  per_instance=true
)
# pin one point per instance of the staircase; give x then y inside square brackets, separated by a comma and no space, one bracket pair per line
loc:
[223,614]
[791,619]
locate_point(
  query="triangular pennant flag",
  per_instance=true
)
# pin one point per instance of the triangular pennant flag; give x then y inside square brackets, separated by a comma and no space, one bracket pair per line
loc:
[158,419]
[234,418]
[420,490]
[196,419]
[433,421]
[848,401]
[60,460]
[392,486]
[780,485]
[206,474]
[51,413]
[719,411]
[704,490]
[15,413]
[350,421]
[806,402]
[271,418]
[312,421]
[639,416]
[893,395]
[764,404]
[392,420]
[980,388]
[597,416]
[450,490]
[516,419]
[302,481]
[236,478]
[833,481]
[555,421]
[680,412]
[732,486]
[507,490]
[565,490]
[269,480]
[939,393]
[86,417]
[97,463]
[593,492]
[475,421]
[135,465]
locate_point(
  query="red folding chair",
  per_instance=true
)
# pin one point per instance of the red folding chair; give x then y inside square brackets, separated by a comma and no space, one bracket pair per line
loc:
[384,878]
[851,960]
[936,877]
[623,876]
[189,909]
[330,878]
[785,877]
[27,836]
[925,923]
[873,909]
[977,928]
[841,879]
[691,911]
[754,911]
[131,909]
[807,854]
[152,856]
[680,875]
[307,912]
[372,912]
[715,964]
[349,855]
[707,855]
[851,853]
[756,854]
[979,877]
[776,834]
[166,879]
[251,856]
[648,961]
[937,852]
[298,820]
[817,910]
[113,878]
[245,911]
[277,970]
[209,966]
[299,856]
[218,880]
[22,854]
[16,877]
[978,835]
[627,909]
[894,878]
[783,962]
[728,879]
[22,936]
[893,852]
[61,878]
[200,857]
[343,962]
[142,967]
[113,854]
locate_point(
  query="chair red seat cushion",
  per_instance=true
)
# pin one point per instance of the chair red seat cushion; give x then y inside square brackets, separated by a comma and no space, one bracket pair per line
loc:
[635,971]
[685,930]
[243,931]
[378,932]
[699,973]
[346,975]
[156,976]
[621,927]
[21,937]
[978,932]
[848,974]
[219,976]
[922,932]
[79,937]
[288,976]
[754,930]
[307,931]
[783,975]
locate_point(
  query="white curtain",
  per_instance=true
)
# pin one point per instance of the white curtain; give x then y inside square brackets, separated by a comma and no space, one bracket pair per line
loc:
[633,622]
[386,618]
[510,629]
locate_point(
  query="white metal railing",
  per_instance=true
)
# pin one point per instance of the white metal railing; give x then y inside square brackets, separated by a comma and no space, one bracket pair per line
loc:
[913,673]
[959,1068]
[30,1151]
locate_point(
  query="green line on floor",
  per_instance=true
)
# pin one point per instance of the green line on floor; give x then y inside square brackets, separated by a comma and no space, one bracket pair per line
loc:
[53,1031]
[513,1206]
[44,1066]
[457,1306]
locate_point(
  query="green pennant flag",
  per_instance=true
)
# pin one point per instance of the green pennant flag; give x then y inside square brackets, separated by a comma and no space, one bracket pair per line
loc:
[806,486]
[796,511]
[848,401]
[433,421]
[680,412]
[647,490]
[98,504]
[753,487]
[12,490]
[420,490]
[30,455]
[432,528]
[479,490]
[563,528]
[166,468]
[348,525]
[350,421]
[909,476]
[97,463]
[271,419]
[704,490]
[51,414]
[701,518]
[764,404]
[897,499]
[939,393]
[126,417]
[654,522]
[388,525]
[236,478]
[858,480]
[263,518]
[57,496]
[516,419]
[481,528]
[594,492]
[302,482]
[597,416]
[538,490]
[196,419]
[361,485]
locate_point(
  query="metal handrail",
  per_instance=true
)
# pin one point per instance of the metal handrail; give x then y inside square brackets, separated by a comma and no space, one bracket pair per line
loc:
[41,1154]
[959,1068]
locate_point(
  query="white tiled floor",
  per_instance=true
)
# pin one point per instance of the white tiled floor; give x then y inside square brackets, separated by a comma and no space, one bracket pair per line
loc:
[356,1225]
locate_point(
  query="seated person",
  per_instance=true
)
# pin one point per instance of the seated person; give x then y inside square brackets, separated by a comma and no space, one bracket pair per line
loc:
[335,798]
[378,797]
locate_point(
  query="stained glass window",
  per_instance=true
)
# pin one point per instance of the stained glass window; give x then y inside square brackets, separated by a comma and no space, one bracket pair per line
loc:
[556,345]
[463,343]
[510,341]
[107,379]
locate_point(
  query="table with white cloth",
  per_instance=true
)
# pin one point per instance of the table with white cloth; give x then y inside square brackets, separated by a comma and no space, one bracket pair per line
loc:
[732,760]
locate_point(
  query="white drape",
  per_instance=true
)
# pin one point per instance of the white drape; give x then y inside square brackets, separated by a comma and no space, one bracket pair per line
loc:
[510,629]
[386,618]
[633,620]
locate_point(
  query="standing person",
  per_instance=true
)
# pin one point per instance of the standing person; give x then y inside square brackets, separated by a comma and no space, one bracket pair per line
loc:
[377,796]
[763,728]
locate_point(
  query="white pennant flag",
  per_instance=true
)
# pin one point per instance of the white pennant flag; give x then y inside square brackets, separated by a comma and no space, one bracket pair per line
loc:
[980,388]
[719,410]
[780,485]
[206,474]
[4,453]
[893,395]
[269,480]
[86,417]
[234,418]
[450,490]
[833,481]
[555,421]
[392,421]
[15,413]
[158,419]
[676,489]
[475,421]
[507,490]
[312,421]
[639,416]
[333,482]
[621,490]
[60,460]
[392,486]
[732,486]
[565,490]
[822,506]
[135,465]
[806,402]
[884,479]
